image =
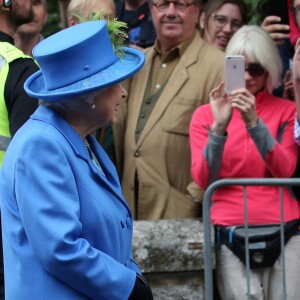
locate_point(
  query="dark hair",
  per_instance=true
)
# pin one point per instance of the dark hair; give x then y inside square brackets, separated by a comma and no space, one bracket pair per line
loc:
[211,6]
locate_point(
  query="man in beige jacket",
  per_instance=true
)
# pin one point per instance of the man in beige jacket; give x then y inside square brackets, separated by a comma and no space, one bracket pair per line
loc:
[152,134]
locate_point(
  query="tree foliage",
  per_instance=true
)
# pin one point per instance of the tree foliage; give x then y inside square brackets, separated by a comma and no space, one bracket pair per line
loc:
[255,9]
[53,24]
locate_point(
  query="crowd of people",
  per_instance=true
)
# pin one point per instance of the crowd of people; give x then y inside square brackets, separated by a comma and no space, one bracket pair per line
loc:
[103,124]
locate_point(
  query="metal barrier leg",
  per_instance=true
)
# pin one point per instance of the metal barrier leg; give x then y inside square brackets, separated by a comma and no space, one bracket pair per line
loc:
[246,241]
[282,241]
[208,278]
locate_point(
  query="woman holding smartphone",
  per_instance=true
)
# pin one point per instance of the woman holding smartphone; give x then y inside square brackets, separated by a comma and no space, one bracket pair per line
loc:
[249,134]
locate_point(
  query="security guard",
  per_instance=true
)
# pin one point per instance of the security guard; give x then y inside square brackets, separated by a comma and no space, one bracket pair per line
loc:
[15,67]
[9,54]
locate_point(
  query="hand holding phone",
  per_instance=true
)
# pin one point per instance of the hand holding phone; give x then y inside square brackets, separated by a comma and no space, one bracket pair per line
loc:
[234,73]
[278,31]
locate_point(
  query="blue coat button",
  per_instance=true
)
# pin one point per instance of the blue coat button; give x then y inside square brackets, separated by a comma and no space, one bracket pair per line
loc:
[123,223]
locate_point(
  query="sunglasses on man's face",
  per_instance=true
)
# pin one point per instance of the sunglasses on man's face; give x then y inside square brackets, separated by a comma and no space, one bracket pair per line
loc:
[255,70]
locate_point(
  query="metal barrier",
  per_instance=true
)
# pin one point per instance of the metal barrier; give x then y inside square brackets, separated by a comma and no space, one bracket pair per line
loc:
[208,276]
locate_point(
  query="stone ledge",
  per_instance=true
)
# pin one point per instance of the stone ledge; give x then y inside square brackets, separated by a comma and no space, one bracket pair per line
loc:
[170,255]
[176,285]
[168,245]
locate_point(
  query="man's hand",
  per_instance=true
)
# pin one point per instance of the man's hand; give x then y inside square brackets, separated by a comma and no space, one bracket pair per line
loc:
[288,92]
[275,29]
[296,62]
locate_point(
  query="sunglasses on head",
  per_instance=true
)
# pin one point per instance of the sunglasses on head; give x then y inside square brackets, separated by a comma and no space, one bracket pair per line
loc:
[255,70]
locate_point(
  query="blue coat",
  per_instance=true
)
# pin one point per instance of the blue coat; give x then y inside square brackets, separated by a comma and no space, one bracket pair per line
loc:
[67,230]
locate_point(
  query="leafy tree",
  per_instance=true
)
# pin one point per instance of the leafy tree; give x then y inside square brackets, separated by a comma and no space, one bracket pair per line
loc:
[255,10]
[53,24]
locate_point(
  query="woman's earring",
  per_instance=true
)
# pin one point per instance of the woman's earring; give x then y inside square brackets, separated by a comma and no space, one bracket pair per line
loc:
[93,106]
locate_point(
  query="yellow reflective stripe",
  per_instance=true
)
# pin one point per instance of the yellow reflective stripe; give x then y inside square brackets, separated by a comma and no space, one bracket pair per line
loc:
[8,53]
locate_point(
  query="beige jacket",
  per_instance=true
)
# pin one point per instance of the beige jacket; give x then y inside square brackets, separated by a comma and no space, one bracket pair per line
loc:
[161,157]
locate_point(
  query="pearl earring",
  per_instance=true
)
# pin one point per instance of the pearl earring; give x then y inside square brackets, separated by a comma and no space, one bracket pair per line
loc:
[93,106]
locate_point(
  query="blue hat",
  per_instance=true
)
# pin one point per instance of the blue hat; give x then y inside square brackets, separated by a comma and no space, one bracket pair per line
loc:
[79,60]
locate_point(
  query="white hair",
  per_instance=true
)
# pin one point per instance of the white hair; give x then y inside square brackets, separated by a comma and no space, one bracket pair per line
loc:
[255,43]
[81,7]
[79,103]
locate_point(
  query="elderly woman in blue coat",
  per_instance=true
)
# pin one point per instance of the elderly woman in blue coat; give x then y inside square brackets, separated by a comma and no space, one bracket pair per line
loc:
[67,230]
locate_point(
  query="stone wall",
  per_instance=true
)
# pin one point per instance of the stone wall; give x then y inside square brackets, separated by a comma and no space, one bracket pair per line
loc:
[170,255]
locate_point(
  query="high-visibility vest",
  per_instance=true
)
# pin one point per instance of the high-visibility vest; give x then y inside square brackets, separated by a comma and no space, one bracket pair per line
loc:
[8,53]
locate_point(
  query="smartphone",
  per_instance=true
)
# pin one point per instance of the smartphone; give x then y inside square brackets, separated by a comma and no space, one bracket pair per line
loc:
[234,72]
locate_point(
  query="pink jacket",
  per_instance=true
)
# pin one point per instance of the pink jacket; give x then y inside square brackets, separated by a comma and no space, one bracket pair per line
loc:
[268,150]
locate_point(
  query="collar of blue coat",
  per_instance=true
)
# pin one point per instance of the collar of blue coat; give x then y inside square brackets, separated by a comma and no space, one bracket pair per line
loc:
[48,115]
[111,181]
